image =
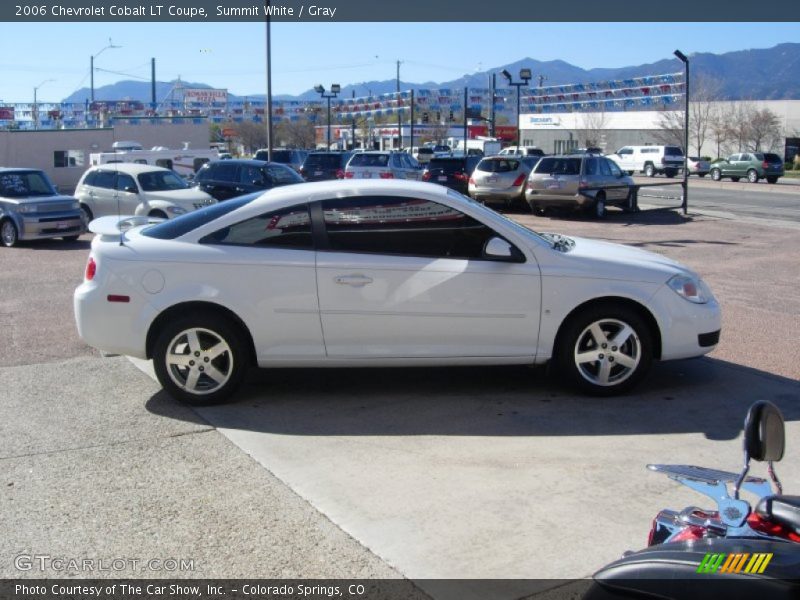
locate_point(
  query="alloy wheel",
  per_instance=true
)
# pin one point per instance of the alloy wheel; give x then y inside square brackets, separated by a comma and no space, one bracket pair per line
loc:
[607,352]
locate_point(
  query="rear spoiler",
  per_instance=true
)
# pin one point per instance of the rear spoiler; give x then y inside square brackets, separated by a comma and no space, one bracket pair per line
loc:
[117,224]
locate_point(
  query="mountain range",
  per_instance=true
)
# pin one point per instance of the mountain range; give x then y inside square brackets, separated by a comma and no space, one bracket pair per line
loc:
[759,74]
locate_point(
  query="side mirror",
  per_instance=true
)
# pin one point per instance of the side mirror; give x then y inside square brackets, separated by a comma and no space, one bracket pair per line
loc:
[764,438]
[499,249]
[131,190]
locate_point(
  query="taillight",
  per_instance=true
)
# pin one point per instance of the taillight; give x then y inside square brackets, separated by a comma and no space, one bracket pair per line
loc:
[519,180]
[765,165]
[472,181]
[460,176]
[426,176]
[91,269]
[340,174]
[387,175]
[348,174]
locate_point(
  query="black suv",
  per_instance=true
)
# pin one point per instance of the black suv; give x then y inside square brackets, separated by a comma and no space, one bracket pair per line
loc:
[225,179]
[291,157]
[321,166]
[451,171]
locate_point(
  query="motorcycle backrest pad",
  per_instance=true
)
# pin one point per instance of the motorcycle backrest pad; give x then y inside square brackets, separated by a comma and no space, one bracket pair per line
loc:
[764,432]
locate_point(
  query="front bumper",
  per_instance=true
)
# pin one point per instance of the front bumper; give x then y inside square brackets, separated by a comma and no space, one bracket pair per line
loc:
[687,329]
[49,225]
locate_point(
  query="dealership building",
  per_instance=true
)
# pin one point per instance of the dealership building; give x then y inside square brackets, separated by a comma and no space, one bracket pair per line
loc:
[560,132]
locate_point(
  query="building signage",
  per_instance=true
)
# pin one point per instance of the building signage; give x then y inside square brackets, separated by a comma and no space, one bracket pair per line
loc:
[205,96]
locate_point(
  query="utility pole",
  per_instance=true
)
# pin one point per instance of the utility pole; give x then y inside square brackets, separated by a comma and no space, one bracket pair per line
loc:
[399,113]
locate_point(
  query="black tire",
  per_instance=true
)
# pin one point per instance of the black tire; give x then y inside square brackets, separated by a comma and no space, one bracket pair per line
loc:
[86,212]
[577,339]
[752,176]
[157,214]
[204,330]
[8,233]
[735,179]
[599,207]
[701,174]
[649,170]
[70,238]
[670,172]
[716,174]
[772,180]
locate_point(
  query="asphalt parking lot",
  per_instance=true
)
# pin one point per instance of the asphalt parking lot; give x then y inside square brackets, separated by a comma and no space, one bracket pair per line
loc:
[497,473]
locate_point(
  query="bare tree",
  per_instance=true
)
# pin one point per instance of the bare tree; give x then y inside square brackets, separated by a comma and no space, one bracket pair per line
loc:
[594,132]
[739,125]
[296,134]
[719,118]
[251,135]
[764,131]
[670,128]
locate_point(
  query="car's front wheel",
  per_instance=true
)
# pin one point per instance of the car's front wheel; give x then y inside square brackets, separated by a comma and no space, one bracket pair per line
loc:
[8,233]
[605,349]
[200,358]
[716,174]
[649,170]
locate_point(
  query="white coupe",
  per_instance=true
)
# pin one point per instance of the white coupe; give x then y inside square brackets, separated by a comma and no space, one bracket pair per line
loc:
[379,273]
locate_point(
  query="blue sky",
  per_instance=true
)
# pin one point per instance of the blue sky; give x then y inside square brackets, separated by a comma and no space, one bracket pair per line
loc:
[232,55]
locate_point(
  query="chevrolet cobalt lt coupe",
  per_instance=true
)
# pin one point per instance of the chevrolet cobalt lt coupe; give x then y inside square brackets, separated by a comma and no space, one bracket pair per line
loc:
[379,273]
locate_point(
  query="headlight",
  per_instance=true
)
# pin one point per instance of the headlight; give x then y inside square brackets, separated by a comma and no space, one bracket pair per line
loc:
[176,210]
[690,288]
[27,208]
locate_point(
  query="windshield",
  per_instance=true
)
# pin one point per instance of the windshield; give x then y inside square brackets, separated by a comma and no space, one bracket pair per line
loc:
[160,181]
[521,229]
[23,184]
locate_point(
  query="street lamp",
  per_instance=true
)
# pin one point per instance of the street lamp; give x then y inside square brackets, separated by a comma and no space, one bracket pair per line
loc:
[91,66]
[335,89]
[36,103]
[525,75]
[684,59]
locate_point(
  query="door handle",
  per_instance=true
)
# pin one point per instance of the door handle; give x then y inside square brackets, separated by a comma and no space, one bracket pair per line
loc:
[353,280]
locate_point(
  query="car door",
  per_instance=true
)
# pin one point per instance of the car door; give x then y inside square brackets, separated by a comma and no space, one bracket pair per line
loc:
[612,179]
[102,193]
[220,180]
[126,194]
[734,166]
[272,256]
[404,278]
[624,158]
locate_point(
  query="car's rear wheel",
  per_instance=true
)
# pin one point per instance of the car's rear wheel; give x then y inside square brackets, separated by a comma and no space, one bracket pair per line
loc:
[716,174]
[605,349]
[649,170]
[158,214]
[670,172]
[772,180]
[537,209]
[701,174]
[600,206]
[200,358]
[752,176]
[8,233]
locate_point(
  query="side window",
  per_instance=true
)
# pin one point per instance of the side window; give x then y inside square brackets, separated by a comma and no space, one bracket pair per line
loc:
[285,228]
[591,167]
[164,162]
[624,151]
[90,178]
[104,179]
[282,175]
[612,167]
[403,226]
[251,175]
[224,172]
[125,182]
[604,168]
[735,157]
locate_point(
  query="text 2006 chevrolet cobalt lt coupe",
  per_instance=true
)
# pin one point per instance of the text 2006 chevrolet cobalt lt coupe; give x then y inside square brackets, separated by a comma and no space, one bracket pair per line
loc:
[380,273]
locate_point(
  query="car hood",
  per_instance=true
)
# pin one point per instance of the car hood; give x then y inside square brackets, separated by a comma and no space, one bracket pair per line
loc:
[188,196]
[40,199]
[605,260]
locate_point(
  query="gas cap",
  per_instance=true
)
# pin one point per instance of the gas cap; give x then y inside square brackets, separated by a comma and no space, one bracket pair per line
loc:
[153,281]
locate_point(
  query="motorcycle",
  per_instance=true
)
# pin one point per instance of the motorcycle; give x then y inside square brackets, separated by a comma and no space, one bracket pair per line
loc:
[740,549]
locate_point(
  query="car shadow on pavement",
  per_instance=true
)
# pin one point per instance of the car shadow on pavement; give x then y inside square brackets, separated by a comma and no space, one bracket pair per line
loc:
[56,244]
[706,395]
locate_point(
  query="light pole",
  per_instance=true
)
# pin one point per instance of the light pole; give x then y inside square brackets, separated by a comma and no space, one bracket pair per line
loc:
[684,59]
[36,103]
[525,75]
[335,89]
[91,67]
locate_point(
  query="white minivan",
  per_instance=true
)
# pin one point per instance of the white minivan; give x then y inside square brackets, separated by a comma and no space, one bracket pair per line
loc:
[649,160]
